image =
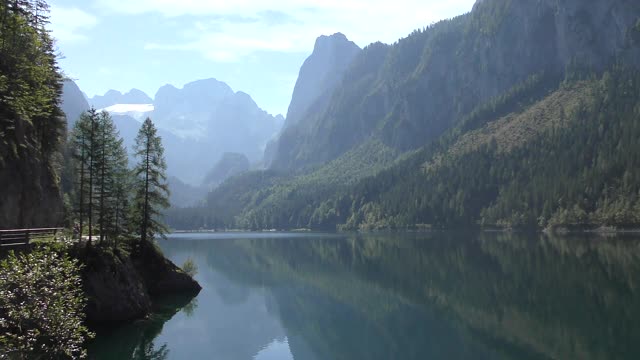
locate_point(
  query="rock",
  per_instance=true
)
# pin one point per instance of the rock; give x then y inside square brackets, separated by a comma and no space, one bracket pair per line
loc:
[113,286]
[160,275]
[122,287]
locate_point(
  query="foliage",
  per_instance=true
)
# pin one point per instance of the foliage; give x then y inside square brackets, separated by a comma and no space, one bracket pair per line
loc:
[151,190]
[100,168]
[41,306]
[267,199]
[30,81]
[528,158]
[190,267]
[32,124]
[569,159]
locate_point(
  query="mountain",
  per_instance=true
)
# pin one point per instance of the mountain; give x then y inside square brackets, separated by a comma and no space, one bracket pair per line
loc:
[320,74]
[113,97]
[518,114]
[182,195]
[409,93]
[212,120]
[187,111]
[211,111]
[202,121]
[229,165]
[73,101]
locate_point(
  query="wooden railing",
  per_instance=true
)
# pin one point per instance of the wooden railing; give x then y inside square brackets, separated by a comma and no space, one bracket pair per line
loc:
[18,237]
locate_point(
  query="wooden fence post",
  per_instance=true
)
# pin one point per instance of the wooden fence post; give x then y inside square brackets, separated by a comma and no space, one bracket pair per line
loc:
[26,234]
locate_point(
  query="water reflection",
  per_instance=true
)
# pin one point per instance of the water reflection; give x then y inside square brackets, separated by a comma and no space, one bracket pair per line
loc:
[410,296]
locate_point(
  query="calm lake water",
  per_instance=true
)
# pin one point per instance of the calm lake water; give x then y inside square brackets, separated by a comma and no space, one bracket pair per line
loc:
[394,296]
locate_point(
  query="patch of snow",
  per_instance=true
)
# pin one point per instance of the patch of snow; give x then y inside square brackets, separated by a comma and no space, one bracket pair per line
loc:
[136,111]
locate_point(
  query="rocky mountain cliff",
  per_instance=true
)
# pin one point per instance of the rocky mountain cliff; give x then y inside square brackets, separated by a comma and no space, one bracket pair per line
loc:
[409,93]
[321,72]
[73,102]
[319,76]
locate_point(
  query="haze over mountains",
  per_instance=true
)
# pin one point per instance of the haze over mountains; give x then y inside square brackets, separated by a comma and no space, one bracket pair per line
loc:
[434,129]
[207,128]
[198,123]
[319,75]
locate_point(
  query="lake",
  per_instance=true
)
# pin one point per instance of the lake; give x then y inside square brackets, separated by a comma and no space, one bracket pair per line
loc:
[272,296]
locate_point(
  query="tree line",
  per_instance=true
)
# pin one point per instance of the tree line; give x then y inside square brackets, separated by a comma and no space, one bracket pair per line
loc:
[108,200]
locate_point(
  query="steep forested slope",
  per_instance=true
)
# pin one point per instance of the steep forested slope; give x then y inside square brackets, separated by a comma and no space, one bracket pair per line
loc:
[31,122]
[525,112]
[413,91]
[570,159]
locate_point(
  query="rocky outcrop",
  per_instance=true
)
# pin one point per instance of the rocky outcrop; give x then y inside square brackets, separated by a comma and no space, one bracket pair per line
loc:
[121,287]
[30,193]
[161,276]
[114,288]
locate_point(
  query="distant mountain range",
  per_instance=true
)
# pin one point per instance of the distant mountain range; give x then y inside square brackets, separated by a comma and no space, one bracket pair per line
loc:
[113,97]
[198,123]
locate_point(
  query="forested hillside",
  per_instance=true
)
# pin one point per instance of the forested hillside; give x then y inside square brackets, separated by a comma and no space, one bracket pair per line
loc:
[31,122]
[413,91]
[523,114]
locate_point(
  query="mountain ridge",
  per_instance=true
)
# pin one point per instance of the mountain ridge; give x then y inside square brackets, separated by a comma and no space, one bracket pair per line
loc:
[416,89]
[453,122]
[318,77]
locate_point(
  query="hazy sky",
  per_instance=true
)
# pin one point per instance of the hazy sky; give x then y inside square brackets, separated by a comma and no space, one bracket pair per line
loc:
[256,46]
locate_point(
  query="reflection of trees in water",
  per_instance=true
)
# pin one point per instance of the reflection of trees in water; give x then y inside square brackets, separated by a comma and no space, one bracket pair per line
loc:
[148,351]
[190,307]
[527,296]
[136,341]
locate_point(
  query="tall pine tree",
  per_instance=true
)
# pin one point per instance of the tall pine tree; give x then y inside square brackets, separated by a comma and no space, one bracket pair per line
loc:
[151,189]
[101,189]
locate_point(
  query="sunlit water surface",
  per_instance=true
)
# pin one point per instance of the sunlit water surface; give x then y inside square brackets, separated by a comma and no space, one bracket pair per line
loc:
[272,296]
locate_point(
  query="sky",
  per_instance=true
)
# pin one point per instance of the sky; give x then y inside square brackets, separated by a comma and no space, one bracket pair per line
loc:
[255,46]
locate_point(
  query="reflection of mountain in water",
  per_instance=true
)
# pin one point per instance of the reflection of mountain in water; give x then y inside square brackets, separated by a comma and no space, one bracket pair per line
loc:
[450,296]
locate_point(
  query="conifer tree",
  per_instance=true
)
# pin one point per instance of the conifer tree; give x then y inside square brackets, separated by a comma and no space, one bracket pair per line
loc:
[151,189]
[102,171]
[83,139]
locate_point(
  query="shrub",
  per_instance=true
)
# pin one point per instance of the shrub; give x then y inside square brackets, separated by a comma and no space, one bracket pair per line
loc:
[41,306]
[190,267]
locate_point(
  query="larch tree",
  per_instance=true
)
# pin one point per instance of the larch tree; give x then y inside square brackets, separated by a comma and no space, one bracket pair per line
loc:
[151,189]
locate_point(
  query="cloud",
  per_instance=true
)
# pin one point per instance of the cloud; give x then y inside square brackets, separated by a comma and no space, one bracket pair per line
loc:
[225,30]
[69,25]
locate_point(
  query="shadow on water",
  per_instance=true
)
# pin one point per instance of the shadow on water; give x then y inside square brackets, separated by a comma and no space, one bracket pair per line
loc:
[404,296]
[136,340]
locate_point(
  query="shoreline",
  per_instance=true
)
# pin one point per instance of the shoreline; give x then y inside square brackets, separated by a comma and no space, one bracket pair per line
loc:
[555,230]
